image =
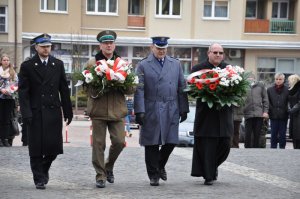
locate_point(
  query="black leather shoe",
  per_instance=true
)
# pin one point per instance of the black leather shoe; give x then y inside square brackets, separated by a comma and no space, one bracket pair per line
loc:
[110,176]
[40,185]
[216,175]
[208,182]
[5,143]
[100,183]
[47,178]
[154,181]
[163,174]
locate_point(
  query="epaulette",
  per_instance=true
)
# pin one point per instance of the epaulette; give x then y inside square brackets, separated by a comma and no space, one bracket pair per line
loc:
[174,58]
[143,58]
[27,59]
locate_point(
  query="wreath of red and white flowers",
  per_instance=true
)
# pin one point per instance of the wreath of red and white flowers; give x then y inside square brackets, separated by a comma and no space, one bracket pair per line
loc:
[106,75]
[219,87]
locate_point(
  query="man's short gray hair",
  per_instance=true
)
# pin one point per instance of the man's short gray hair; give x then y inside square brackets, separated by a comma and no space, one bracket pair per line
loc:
[279,75]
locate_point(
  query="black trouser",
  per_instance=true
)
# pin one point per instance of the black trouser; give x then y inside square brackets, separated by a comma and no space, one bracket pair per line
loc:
[6,108]
[156,158]
[24,133]
[40,168]
[236,134]
[253,128]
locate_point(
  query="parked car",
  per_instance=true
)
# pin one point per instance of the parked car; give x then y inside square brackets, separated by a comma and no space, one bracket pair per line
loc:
[186,132]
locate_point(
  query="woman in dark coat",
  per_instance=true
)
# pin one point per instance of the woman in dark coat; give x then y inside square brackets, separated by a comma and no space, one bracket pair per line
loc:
[213,127]
[294,102]
[8,77]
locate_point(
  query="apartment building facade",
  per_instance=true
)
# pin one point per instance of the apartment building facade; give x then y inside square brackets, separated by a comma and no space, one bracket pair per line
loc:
[11,30]
[260,35]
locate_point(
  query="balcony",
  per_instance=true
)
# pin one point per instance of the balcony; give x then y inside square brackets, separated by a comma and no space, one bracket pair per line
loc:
[256,25]
[136,21]
[282,26]
[270,26]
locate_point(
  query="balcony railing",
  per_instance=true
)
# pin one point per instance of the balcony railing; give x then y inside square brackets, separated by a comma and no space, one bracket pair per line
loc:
[136,21]
[282,26]
[272,26]
[257,25]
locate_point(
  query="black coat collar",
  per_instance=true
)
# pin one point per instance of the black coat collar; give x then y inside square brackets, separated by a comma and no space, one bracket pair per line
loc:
[100,56]
[295,89]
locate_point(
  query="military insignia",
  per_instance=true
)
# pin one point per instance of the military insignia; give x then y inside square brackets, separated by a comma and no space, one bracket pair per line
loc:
[53,63]
[36,64]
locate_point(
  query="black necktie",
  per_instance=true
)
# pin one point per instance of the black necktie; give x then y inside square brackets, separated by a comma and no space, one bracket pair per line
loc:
[161,62]
[44,63]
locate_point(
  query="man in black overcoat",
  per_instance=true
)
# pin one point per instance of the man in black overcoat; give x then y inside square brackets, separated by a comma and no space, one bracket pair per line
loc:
[212,128]
[44,99]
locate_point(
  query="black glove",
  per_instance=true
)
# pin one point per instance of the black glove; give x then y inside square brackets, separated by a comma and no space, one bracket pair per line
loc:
[68,120]
[139,118]
[27,121]
[183,116]
[294,109]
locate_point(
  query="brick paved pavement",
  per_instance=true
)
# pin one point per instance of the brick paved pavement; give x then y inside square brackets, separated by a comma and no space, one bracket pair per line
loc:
[251,173]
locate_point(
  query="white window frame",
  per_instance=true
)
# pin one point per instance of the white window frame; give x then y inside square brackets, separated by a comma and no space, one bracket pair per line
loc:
[95,12]
[213,6]
[170,15]
[44,9]
[256,4]
[6,20]
[279,5]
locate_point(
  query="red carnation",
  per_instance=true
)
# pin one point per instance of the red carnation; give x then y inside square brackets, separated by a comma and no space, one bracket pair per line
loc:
[199,85]
[216,75]
[212,87]
[207,81]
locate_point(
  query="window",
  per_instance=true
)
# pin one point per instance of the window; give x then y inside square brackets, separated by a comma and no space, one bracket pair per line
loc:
[215,9]
[136,7]
[168,7]
[102,6]
[251,7]
[280,9]
[184,55]
[267,67]
[3,19]
[54,5]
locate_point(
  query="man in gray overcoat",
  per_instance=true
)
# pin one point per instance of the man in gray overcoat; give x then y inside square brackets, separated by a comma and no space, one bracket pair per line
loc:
[44,98]
[159,105]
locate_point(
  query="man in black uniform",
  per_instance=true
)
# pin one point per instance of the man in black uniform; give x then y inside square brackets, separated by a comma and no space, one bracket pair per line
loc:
[213,127]
[43,95]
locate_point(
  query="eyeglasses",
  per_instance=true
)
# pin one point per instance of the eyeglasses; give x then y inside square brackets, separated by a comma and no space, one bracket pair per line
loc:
[216,52]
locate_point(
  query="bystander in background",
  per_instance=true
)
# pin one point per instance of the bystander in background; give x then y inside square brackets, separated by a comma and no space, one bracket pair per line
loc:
[8,85]
[255,111]
[278,111]
[237,120]
[294,102]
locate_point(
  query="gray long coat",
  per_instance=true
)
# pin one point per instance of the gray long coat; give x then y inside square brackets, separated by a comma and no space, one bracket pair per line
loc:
[43,94]
[160,96]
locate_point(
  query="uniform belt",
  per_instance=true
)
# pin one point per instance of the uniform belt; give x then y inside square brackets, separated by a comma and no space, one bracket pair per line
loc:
[161,98]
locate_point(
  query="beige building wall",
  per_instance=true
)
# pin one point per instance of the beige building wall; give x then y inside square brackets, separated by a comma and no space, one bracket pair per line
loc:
[253,54]
[210,29]
[11,41]
[44,22]
[180,28]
